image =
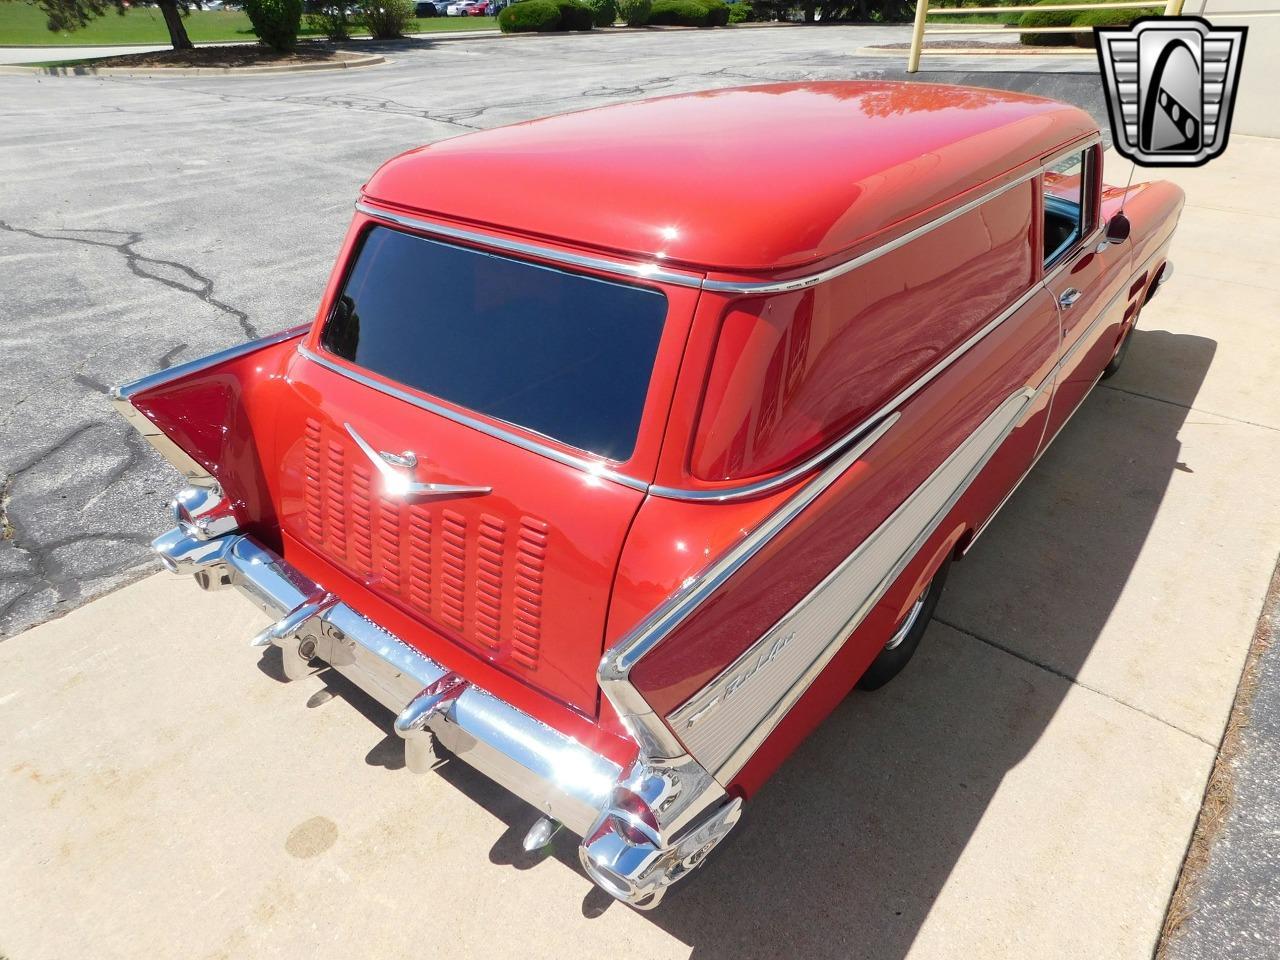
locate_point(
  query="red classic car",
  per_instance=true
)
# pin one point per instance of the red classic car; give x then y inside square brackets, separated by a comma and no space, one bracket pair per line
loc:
[613,488]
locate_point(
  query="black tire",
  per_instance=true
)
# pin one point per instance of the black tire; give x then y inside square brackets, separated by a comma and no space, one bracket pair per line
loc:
[1112,368]
[892,659]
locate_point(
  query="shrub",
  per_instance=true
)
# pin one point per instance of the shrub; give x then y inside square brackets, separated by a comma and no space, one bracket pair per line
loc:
[386,19]
[1047,18]
[1106,18]
[331,19]
[717,12]
[740,12]
[603,12]
[574,15]
[634,13]
[529,16]
[276,22]
[679,13]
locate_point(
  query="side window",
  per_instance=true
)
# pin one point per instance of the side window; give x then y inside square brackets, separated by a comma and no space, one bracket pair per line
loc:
[1068,204]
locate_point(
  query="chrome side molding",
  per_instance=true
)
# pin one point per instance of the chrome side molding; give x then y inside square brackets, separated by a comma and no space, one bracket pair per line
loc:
[657,741]
[726,721]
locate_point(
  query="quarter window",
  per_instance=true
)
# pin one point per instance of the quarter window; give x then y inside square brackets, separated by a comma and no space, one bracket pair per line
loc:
[1067,205]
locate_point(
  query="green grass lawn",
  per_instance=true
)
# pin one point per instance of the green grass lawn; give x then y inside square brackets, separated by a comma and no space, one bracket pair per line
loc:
[22,24]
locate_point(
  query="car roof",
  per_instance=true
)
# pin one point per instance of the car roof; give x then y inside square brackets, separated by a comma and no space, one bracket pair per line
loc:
[759,178]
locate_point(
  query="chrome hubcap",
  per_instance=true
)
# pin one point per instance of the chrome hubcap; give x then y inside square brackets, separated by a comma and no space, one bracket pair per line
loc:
[908,622]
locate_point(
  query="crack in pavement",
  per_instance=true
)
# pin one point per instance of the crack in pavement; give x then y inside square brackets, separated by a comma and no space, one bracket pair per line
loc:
[201,287]
[45,572]
[365,104]
[97,386]
[460,117]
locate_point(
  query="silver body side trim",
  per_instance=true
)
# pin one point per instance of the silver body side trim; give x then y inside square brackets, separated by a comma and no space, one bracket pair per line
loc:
[1057,368]
[726,722]
[614,671]
[594,467]
[655,738]
[839,270]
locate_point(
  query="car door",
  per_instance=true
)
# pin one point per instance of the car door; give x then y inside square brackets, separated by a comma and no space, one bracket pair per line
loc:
[1083,275]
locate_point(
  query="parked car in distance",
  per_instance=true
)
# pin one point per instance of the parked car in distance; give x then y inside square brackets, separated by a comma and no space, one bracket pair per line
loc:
[479,9]
[614,489]
[460,9]
[424,9]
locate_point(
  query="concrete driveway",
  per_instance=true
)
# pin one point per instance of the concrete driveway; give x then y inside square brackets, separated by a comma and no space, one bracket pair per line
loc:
[1026,788]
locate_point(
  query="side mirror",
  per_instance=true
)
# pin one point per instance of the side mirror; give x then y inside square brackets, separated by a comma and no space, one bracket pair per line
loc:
[1117,230]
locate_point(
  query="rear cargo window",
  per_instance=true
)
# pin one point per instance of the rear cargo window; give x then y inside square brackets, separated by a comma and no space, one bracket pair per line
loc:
[566,355]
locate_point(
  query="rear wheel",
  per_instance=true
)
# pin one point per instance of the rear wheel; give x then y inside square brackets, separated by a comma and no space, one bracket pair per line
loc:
[1113,367]
[906,636]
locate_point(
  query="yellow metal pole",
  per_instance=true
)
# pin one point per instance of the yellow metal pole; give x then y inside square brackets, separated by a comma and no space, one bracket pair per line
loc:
[1173,8]
[917,35]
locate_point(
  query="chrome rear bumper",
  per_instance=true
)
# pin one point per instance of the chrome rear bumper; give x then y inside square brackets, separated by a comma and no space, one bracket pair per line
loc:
[633,858]
[555,773]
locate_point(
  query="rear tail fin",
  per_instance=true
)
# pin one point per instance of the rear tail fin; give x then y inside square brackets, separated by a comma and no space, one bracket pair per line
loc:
[211,419]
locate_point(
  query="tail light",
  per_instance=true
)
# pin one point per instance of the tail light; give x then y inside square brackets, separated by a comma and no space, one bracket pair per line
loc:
[633,819]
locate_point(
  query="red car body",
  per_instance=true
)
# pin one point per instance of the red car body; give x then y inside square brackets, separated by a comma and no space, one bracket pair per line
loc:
[855,368]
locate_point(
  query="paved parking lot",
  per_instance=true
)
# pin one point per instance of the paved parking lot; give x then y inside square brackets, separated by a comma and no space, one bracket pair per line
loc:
[149,221]
[1027,788]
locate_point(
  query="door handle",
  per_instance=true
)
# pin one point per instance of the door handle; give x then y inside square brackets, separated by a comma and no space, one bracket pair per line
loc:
[1069,297]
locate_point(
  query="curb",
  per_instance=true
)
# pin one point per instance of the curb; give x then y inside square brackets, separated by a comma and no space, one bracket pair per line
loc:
[976,52]
[88,70]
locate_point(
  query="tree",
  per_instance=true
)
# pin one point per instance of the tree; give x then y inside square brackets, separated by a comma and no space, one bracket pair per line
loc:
[73,14]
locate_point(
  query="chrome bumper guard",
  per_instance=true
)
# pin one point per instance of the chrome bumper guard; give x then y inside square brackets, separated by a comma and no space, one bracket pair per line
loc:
[634,858]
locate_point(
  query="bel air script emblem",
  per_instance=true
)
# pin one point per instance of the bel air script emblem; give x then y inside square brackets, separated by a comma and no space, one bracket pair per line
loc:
[749,672]
[1171,83]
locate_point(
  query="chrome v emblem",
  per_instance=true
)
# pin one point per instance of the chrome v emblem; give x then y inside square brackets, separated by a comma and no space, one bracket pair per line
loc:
[399,483]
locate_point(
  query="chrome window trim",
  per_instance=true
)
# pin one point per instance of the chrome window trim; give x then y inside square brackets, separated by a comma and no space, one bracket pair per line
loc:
[1090,207]
[783,479]
[594,467]
[652,271]
[800,283]
[664,274]
[642,271]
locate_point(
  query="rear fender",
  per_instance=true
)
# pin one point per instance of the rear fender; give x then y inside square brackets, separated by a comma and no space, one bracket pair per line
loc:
[945,549]
[213,420]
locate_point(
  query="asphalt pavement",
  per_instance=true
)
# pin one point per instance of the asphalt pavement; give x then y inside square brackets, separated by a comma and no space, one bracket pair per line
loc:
[148,221]
[1042,763]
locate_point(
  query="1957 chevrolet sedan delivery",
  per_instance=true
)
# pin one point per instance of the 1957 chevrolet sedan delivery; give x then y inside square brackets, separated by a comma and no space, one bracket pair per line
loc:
[613,475]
